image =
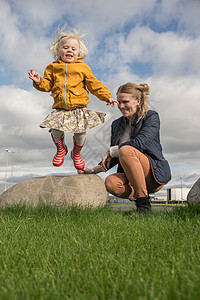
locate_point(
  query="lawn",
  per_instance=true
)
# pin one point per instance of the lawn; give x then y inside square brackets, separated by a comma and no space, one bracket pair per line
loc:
[51,253]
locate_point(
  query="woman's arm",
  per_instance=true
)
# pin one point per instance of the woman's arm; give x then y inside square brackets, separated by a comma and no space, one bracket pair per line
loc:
[102,167]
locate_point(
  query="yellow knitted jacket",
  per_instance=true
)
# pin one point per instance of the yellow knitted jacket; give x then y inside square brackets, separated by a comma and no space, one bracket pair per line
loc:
[69,84]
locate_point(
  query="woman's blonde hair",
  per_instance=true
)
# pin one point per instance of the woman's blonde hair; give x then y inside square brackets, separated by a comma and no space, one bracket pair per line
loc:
[138,91]
[61,33]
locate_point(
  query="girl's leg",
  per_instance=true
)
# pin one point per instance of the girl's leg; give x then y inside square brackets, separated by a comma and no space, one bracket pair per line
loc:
[56,135]
[79,140]
[58,139]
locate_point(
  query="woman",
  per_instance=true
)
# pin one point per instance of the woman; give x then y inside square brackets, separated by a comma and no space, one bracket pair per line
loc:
[135,147]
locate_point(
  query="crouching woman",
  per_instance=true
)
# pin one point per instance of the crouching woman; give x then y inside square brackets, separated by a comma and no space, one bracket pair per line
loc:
[136,149]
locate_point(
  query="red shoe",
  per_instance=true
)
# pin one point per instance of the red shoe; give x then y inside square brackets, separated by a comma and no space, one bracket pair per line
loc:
[75,155]
[58,159]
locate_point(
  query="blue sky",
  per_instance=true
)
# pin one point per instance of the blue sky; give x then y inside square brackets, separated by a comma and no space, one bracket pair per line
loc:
[156,42]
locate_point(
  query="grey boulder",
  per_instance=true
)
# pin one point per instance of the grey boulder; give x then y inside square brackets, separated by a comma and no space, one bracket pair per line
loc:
[194,194]
[78,190]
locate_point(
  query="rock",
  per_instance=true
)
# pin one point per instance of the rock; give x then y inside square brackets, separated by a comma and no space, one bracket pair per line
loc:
[79,190]
[194,194]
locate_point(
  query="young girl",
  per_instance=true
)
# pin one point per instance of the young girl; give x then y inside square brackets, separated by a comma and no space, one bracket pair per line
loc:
[69,80]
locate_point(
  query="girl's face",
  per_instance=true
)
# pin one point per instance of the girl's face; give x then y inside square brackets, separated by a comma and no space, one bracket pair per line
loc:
[69,49]
[127,104]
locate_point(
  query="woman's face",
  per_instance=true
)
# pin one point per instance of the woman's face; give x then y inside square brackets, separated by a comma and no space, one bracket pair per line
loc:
[127,104]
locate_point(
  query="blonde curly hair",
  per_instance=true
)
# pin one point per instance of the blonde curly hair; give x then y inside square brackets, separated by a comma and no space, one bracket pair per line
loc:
[65,32]
[138,91]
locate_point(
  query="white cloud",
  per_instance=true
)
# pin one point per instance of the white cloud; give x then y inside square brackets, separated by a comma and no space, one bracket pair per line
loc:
[179,106]
[169,53]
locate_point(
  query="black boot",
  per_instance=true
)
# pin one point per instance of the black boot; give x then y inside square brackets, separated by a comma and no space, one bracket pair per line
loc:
[143,205]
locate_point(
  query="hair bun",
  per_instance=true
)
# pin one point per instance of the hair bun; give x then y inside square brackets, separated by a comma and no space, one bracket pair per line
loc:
[145,88]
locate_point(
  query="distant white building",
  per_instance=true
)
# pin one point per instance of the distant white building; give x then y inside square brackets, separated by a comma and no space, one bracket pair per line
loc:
[177,194]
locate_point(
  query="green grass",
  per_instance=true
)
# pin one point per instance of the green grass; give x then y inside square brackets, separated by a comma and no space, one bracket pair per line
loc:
[50,253]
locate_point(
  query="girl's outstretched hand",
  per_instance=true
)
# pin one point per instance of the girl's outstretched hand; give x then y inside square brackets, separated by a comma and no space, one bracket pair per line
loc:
[111,102]
[34,76]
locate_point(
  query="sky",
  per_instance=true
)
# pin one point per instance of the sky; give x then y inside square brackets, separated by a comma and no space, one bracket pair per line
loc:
[141,41]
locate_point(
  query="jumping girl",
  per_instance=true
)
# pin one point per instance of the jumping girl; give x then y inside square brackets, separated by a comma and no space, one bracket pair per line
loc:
[70,80]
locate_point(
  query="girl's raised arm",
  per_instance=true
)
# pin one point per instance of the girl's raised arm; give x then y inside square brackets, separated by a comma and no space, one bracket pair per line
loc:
[34,76]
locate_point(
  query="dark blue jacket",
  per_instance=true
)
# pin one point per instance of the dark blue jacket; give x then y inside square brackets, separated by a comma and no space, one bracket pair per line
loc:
[144,136]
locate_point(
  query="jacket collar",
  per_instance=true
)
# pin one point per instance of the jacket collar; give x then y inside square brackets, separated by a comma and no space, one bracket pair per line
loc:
[73,62]
[133,120]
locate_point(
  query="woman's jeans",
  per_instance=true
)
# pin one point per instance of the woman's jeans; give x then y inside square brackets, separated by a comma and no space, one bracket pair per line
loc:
[137,181]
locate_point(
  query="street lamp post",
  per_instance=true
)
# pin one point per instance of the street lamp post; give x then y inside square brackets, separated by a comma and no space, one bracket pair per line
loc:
[7,152]
[181,188]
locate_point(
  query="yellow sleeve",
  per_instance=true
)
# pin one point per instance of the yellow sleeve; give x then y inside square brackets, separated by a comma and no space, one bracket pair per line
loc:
[95,86]
[46,82]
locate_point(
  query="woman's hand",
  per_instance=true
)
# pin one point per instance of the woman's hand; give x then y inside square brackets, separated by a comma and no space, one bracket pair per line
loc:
[95,170]
[106,161]
[34,76]
[111,102]
[85,171]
